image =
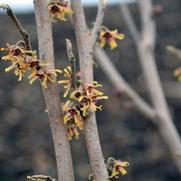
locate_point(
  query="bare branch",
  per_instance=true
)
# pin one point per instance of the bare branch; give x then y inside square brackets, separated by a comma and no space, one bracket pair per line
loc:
[85,59]
[145,46]
[166,127]
[130,22]
[18,25]
[51,94]
[148,34]
[145,49]
[171,90]
[98,22]
[119,82]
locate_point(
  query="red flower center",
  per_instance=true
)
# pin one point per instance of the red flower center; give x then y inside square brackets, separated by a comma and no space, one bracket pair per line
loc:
[84,100]
[40,76]
[77,94]
[38,67]
[35,63]
[54,9]
[17,52]
[117,168]
[107,35]
[72,112]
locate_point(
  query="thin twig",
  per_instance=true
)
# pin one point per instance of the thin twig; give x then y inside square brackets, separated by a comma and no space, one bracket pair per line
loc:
[130,22]
[85,58]
[18,25]
[98,22]
[51,94]
[72,60]
[122,86]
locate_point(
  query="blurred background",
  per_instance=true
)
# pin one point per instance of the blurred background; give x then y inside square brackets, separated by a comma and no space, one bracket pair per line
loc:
[26,146]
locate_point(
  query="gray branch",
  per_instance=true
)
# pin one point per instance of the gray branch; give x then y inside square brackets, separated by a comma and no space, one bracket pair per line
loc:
[51,94]
[85,58]
[130,22]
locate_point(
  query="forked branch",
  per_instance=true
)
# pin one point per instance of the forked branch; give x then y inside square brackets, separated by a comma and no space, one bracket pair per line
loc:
[145,44]
[118,81]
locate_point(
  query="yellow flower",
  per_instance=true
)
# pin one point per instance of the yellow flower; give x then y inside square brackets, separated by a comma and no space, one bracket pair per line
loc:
[88,102]
[91,89]
[44,73]
[76,95]
[71,112]
[177,73]
[59,10]
[72,130]
[107,36]
[117,167]
[72,119]
[88,97]
[20,59]
[68,82]
[23,60]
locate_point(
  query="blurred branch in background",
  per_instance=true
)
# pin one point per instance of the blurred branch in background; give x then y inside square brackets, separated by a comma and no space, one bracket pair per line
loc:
[130,23]
[122,86]
[171,90]
[86,68]
[51,94]
[145,44]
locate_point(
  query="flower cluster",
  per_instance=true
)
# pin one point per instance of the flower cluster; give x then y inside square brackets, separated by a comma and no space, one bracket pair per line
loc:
[44,73]
[108,36]
[73,120]
[23,60]
[88,97]
[59,10]
[116,167]
[82,98]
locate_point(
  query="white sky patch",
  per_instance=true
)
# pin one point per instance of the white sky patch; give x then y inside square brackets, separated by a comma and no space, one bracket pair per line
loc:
[27,5]
[19,5]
